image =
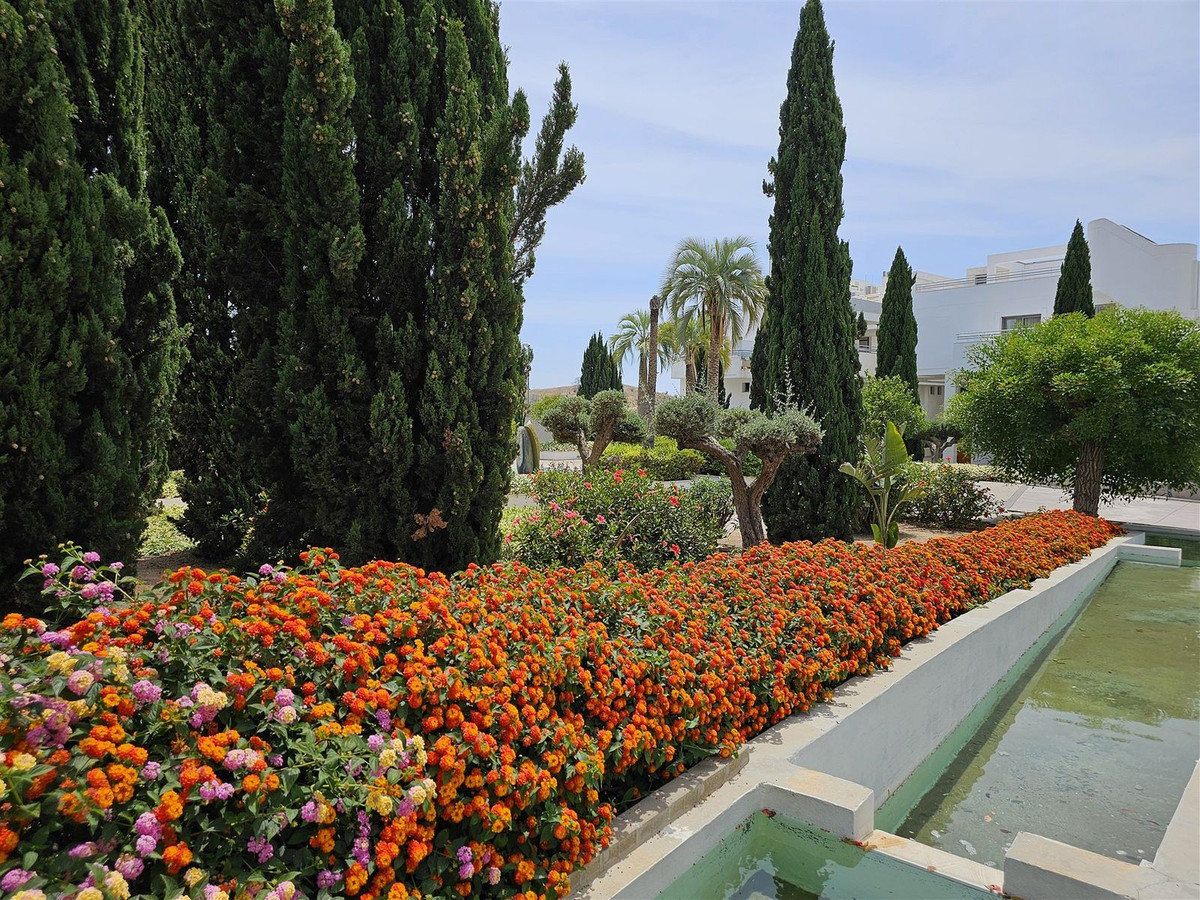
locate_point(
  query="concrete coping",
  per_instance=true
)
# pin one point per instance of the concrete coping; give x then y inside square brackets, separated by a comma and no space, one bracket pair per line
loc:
[1038,868]
[1179,852]
[1146,553]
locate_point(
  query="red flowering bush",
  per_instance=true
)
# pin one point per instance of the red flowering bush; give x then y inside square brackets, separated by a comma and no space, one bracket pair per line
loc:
[380,732]
[609,517]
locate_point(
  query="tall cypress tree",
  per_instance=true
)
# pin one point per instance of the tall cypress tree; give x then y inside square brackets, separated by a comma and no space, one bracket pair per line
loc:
[374,382]
[898,327]
[1074,293]
[50,247]
[89,347]
[599,371]
[217,72]
[808,342]
[320,389]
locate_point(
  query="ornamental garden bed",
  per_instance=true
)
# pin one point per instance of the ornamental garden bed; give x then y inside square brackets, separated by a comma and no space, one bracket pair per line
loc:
[385,732]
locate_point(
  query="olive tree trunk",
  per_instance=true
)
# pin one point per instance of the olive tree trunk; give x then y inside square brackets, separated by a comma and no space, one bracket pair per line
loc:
[747,498]
[1089,478]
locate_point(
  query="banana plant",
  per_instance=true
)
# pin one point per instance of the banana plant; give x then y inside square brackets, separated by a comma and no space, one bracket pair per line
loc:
[882,471]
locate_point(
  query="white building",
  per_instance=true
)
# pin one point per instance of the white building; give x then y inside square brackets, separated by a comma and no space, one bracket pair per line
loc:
[1014,288]
[1018,287]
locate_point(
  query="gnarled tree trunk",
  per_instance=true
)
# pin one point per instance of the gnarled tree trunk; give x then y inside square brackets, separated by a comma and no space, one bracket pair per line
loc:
[747,499]
[1089,478]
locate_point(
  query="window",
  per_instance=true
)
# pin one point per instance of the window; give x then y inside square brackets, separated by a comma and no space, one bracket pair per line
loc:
[864,343]
[981,278]
[745,387]
[1008,323]
[935,390]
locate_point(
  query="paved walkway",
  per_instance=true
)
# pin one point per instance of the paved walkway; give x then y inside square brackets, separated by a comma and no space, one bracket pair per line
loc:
[1149,512]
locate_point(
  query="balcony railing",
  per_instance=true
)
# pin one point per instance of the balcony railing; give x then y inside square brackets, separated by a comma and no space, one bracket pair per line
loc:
[974,280]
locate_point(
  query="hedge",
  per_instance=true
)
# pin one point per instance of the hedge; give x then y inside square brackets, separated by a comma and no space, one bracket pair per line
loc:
[383,732]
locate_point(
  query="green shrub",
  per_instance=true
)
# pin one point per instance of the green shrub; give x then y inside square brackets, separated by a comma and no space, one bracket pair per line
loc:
[664,462]
[952,499]
[617,516]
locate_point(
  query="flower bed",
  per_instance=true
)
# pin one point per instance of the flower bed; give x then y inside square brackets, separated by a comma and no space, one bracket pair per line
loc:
[381,732]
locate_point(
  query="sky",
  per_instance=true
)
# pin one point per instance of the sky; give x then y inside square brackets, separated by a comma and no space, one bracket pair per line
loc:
[972,128]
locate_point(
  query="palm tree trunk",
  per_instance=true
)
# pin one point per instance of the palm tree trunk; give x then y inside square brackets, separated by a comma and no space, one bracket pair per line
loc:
[716,334]
[643,404]
[652,368]
[689,373]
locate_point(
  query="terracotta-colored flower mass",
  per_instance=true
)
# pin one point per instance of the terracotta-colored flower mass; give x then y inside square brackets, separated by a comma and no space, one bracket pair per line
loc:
[383,732]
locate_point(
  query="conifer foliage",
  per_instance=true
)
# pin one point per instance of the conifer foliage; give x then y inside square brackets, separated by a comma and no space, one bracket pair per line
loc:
[599,372]
[215,81]
[1074,292]
[808,334]
[89,346]
[898,327]
[359,224]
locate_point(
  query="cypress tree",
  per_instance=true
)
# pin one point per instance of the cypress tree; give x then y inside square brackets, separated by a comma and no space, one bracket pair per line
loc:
[89,349]
[898,327]
[1074,293]
[374,369]
[808,342]
[50,219]
[599,371]
[319,389]
[217,73]
[132,344]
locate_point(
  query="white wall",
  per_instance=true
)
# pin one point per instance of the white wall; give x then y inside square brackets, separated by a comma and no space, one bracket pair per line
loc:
[1126,268]
[1135,271]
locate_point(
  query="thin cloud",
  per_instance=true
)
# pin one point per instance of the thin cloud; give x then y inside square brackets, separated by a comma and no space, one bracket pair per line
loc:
[971,128]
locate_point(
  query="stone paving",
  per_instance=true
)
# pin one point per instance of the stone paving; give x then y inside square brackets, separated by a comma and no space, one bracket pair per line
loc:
[1158,513]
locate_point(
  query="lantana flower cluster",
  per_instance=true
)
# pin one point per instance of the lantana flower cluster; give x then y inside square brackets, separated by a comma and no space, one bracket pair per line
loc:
[447,737]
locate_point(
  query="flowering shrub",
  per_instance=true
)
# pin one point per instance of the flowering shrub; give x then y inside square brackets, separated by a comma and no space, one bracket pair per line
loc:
[380,732]
[618,516]
[951,498]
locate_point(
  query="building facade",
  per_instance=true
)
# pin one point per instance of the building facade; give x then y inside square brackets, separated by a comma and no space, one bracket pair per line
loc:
[1012,289]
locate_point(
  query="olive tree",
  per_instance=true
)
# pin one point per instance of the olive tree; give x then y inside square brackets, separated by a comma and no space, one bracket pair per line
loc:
[697,423]
[1105,406]
[591,425]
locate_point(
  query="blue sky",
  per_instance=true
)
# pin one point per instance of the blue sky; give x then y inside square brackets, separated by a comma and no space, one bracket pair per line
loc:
[972,128]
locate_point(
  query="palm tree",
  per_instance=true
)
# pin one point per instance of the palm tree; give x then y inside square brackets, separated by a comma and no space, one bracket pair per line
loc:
[688,338]
[721,284]
[632,338]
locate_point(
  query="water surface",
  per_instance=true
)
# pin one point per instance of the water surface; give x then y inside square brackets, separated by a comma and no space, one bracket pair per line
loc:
[1094,745]
[774,858]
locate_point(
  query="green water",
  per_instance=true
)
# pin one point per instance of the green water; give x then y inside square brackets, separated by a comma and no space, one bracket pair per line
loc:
[773,857]
[1189,546]
[1094,743]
